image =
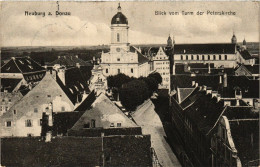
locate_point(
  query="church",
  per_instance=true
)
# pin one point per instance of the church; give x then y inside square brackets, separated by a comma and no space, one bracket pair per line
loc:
[123,58]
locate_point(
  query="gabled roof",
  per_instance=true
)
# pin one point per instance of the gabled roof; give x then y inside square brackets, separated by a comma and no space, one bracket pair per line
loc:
[69,61]
[105,112]
[183,93]
[9,84]
[141,58]
[24,65]
[204,48]
[245,54]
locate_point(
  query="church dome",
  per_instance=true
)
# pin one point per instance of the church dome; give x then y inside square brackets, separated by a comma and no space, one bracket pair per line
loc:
[119,18]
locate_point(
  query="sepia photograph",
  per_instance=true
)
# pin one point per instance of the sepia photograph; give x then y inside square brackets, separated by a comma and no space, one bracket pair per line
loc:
[129,83]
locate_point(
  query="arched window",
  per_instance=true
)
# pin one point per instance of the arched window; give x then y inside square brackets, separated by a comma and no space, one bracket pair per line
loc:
[106,70]
[118,37]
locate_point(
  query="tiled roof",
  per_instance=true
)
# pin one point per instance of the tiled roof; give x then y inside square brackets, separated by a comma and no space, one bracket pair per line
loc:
[9,84]
[70,61]
[245,54]
[204,48]
[105,112]
[22,65]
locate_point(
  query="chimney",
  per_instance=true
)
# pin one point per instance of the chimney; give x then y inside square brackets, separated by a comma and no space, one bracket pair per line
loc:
[45,66]
[237,102]
[218,97]
[94,58]
[220,79]
[225,80]
[193,83]
[77,65]
[196,84]
[205,88]
[214,94]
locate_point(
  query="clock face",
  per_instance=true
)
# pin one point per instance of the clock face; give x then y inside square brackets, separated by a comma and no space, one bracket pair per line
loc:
[118,49]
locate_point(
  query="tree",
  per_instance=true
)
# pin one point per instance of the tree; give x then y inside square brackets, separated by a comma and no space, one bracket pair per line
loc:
[156,76]
[117,81]
[133,94]
[151,83]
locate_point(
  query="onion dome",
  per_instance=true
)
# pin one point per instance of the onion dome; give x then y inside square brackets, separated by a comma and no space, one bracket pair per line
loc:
[119,18]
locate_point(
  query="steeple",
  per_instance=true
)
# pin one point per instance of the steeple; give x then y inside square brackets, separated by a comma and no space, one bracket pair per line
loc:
[234,38]
[169,41]
[244,42]
[119,8]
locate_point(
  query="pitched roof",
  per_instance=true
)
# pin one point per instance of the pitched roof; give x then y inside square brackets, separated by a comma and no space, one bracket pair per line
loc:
[105,113]
[253,69]
[204,48]
[70,61]
[9,84]
[183,93]
[24,65]
[141,58]
[245,54]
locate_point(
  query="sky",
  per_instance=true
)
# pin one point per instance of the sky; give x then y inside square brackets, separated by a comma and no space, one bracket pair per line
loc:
[89,23]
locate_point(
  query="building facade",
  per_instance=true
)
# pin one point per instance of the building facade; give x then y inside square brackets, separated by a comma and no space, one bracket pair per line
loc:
[123,58]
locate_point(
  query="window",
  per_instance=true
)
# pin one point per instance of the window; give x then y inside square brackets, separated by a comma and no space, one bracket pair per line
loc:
[62,108]
[35,110]
[214,57]
[8,123]
[132,70]
[208,57]
[225,57]
[203,58]
[29,135]
[112,125]
[187,57]
[106,70]
[48,95]
[9,100]
[118,71]
[181,57]
[93,123]
[118,59]
[118,124]
[14,111]
[118,37]
[198,57]
[191,57]
[28,123]
[219,57]
[87,125]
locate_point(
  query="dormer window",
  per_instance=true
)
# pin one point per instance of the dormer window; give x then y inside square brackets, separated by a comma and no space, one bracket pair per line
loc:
[30,66]
[21,61]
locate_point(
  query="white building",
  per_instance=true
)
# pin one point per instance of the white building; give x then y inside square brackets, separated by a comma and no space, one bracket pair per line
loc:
[123,58]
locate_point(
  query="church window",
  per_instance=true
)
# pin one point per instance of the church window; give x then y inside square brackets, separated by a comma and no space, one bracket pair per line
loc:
[225,57]
[208,57]
[219,57]
[181,57]
[118,71]
[132,70]
[118,37]
[214,57]
[203,58]
[106,70]
[198,57]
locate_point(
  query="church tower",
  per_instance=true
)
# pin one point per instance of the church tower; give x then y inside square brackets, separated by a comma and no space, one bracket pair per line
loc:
[119,32]
[234,39]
